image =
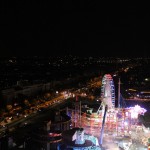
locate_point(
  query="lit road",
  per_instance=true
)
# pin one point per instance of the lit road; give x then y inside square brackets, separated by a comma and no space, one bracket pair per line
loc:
[47,105]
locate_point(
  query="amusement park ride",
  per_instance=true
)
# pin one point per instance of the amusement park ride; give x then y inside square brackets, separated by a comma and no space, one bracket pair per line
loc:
[108,119]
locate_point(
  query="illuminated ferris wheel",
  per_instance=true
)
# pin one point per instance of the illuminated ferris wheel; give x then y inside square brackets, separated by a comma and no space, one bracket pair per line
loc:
[108,91]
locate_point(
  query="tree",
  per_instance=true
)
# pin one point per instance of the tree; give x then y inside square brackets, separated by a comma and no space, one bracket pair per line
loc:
[9,108]
[2,101]
[148,140]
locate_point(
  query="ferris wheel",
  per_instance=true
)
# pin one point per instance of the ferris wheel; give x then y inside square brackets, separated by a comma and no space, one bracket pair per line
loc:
[108,91]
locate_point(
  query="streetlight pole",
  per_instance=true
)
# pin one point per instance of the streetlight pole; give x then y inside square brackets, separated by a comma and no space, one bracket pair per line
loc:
[80,113]
[119,93]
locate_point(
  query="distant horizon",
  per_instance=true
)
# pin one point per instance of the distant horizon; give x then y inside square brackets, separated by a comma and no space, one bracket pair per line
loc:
[72,55]
[122,53]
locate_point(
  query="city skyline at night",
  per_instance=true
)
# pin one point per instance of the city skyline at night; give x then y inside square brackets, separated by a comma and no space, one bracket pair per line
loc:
[74,75]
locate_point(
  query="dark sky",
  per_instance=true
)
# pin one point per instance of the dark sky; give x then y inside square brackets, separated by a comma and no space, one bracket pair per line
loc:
[66,27]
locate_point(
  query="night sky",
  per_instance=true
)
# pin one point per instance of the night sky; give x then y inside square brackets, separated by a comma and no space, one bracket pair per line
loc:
[87,28]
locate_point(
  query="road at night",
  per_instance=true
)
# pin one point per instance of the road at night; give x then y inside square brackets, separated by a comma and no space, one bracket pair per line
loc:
[37,115]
